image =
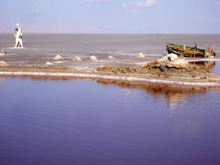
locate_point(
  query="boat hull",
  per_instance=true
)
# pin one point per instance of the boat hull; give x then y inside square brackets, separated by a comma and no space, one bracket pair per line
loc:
[188,51]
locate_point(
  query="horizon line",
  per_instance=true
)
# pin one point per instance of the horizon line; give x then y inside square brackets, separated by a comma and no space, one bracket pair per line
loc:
[102,33]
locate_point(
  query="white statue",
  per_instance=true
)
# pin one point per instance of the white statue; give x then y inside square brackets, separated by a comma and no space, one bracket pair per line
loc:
[18,36]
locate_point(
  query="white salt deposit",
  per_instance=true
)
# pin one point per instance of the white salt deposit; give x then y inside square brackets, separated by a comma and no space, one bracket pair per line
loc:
[77,59]
[3,63]
[57,58]
[140,55]
[93,58]
[111,57]
[49,63]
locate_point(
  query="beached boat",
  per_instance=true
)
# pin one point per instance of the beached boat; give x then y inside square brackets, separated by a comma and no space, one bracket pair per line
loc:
[189,51]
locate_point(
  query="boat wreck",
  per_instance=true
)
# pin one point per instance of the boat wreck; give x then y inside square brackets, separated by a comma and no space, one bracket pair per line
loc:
[189,51]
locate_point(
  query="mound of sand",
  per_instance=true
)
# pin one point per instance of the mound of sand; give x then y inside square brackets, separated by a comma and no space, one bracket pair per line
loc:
[3,63]
[57,58]
[140,55]
[77,59]
[111,57]
[3,52]
[93,58]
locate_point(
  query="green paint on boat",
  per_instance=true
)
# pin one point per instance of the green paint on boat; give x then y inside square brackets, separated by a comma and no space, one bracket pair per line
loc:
[189,51]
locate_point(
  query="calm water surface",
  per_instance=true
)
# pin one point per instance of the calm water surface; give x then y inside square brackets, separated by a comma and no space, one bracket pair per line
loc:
[88,122]
[70,45]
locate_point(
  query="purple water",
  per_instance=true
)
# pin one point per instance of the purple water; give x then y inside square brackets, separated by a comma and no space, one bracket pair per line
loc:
[108,123]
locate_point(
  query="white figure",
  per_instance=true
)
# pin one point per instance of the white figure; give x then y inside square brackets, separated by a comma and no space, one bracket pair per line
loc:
[18,36]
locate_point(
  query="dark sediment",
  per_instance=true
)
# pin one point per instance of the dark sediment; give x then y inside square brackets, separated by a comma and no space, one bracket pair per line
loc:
[157,69]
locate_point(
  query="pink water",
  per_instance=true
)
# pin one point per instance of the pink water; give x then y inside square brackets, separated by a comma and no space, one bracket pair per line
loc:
[87,122]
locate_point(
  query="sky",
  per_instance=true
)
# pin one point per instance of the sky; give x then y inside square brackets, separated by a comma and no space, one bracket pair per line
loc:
[111,16]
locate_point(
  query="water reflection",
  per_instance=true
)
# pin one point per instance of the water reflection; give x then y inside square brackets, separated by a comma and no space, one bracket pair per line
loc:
[81,122]
[1,78]
[173,95]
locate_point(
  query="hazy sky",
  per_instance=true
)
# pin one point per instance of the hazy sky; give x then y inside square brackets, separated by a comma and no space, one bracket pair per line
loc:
[112,16]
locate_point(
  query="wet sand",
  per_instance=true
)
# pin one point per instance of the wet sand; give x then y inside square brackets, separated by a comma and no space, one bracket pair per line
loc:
[88,70]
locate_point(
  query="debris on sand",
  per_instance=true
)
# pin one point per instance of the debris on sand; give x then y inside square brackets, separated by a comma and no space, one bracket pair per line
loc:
[111,57]
[172,64]
[178,63]
[57,58]
[140,55]
[158,70]
[77,59]
[3,52]
[93,58]
[2,63]
[169,66]
[169,60]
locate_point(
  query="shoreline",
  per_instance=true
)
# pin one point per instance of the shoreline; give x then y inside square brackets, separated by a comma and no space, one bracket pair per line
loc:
[213,81]
[24,63]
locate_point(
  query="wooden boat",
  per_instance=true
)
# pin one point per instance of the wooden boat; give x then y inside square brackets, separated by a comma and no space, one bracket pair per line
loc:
[189,51]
